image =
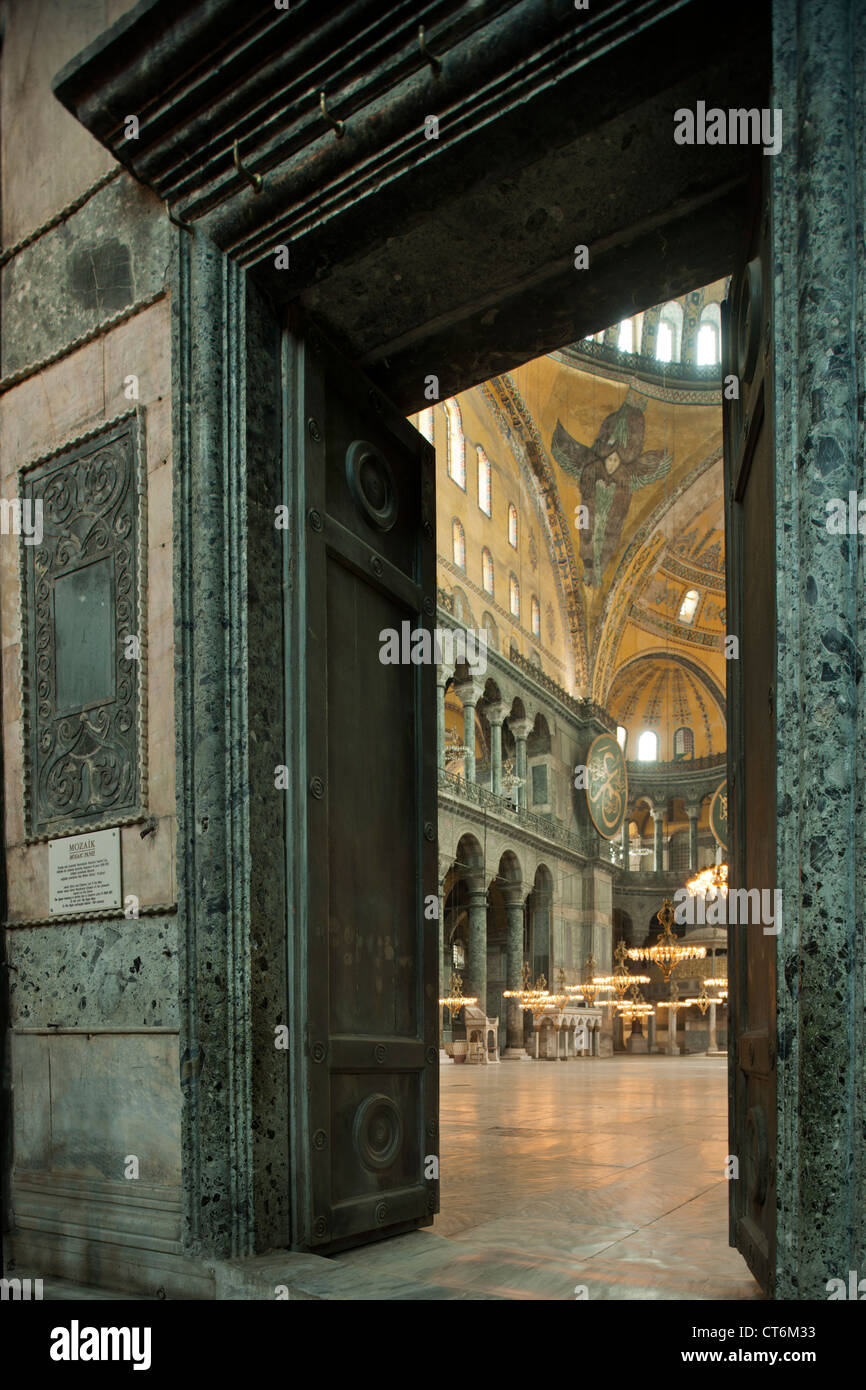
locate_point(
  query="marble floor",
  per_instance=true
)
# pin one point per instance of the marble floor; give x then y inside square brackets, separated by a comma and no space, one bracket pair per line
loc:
[605,1173]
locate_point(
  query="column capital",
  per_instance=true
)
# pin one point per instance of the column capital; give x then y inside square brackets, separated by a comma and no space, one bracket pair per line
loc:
[444,672]
[469,692]
[693,809]
[496,713]
[521,728]
[476,889]
[513,894]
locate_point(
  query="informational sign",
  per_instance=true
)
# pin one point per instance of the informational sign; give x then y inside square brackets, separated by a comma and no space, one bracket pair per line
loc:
[607,785]
[84,872]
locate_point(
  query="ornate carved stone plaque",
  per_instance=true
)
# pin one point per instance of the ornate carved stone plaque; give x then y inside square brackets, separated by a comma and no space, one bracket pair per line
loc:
[606,785]
[84,641]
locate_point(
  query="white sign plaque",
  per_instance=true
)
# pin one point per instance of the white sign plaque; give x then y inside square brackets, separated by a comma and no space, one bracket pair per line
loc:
[84,872]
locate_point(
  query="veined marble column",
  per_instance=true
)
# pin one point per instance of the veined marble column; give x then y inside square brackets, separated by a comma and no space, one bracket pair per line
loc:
[515,1049]
[658,858]
[520,728]
[477,959]
[496,717]
[693,811]
[469,693]
[713,1044]
[672,1048]
[442,677]
[626,864]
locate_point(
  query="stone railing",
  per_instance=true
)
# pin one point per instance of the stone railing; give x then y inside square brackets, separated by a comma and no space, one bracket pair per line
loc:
[504,808]
[689,778]
[670,373]
[584,710]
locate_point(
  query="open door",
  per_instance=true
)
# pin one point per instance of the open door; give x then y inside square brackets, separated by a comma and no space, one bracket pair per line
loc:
[363,869]
[751,687]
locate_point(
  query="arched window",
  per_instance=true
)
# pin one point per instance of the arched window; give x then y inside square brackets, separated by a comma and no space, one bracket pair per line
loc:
[458,544]
[625,342]
[689,606]
[487,570]
[425,423]
[669,333]
[648,747]
[484,490]
[456,447]
[710,336]
[512,525]
[535,613]
[684,743]
[514,596]
[492,631]
[622,736]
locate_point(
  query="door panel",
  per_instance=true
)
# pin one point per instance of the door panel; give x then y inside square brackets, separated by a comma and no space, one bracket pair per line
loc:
[367,981]
[749,484]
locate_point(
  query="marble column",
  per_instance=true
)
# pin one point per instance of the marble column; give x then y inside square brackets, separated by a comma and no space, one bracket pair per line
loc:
[445,1029]
[515,1049]
[818,343]
[521,729]
[658,847]
[624,840]
[477,953]
[651,1034]
[496,717]
[693,811]
[672,1048]
[713,1044]
[542,933]
[469,693]
[442,677]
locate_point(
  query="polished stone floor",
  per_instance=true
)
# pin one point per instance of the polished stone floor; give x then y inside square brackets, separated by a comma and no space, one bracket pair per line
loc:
[605,1173]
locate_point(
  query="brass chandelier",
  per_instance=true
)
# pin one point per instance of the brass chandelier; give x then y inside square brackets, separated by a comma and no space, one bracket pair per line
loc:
[455,999]
[666,953]
[712,880]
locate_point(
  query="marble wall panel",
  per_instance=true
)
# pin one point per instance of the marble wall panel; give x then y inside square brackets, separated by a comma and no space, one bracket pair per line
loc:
[108,1096]
[120,973]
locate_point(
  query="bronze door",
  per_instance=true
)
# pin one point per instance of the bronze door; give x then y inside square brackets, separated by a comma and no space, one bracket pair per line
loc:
[751,550]
[364,939]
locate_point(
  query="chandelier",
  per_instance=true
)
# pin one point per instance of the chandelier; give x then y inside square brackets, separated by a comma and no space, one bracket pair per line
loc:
[666,954]
[635,1007]
[453,750]
[622,979]
[509,779]
[703,1000]
[712,880]
[593,985]
[455,999]
[536,998]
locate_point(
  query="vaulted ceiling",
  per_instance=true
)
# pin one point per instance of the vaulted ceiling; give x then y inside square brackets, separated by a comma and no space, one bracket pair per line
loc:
[627,458]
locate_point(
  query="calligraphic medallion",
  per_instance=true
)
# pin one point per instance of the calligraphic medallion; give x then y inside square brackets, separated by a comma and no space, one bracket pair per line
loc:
[606,785]
[719,815]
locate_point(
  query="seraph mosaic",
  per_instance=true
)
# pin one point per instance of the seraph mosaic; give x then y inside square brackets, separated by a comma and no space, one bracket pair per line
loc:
[608,473]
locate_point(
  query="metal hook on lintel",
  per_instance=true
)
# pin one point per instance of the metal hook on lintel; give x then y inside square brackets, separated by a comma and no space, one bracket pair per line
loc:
[338,127]
[435,63]
[254,180]
[178,221]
